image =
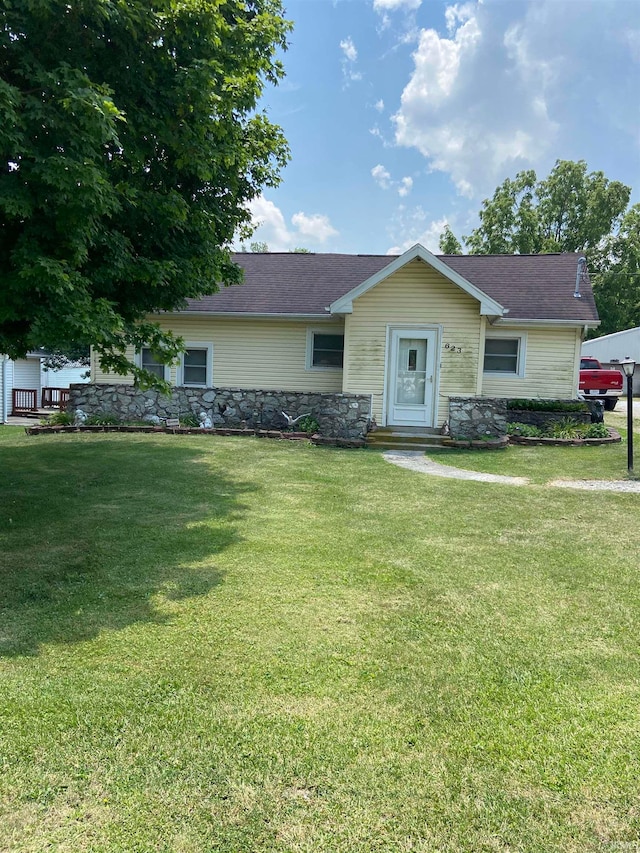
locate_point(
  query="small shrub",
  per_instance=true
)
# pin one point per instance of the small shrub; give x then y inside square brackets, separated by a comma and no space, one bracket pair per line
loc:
[102,419]
[59,419]
[526,430]
[596,431]
[566,428]
[308,424]
[527,405]
[189,420]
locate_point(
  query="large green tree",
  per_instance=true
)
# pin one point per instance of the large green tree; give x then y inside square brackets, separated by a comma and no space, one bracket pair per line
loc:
[571,210]
[616,277]
[130,146]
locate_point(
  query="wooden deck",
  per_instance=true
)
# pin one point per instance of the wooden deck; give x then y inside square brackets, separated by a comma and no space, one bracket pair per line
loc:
[25,403]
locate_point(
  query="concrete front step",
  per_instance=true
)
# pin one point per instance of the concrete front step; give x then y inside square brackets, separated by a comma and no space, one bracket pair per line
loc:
[399,445]
[405,439]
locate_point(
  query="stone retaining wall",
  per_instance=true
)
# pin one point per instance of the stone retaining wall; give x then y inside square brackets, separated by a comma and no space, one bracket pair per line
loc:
[477,418]
[339,415]
[545,419]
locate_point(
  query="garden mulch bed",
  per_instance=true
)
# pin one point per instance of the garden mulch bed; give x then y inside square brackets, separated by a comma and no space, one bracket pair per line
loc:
[614,437]
[499,443]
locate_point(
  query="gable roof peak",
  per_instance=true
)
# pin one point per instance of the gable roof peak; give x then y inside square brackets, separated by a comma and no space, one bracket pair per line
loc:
[488,306]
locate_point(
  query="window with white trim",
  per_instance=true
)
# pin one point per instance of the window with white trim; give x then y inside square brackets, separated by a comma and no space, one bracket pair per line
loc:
[148,361]
[325,350]
[196,365]
[504,354]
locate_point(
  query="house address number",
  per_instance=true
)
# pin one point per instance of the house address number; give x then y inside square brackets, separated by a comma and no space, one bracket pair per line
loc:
[453,348]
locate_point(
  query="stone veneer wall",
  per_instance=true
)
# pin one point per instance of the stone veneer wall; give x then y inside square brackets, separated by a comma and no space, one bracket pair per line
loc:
[544,419]
[477,417]
[340,415]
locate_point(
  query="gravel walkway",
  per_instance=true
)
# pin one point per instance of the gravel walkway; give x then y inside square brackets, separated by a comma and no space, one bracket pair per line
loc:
[631,486]
[415,460]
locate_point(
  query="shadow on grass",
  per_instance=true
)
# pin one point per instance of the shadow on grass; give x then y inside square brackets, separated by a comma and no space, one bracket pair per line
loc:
[94,532]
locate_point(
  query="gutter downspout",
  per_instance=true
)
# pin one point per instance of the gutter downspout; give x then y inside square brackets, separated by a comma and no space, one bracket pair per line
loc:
[3,402]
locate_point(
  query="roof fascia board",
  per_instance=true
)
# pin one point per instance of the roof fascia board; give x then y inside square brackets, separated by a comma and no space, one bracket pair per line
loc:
[592,324]
[612,335]
[249,315]
[344,305]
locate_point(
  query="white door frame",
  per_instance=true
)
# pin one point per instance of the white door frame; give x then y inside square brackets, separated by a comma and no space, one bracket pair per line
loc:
[407,330]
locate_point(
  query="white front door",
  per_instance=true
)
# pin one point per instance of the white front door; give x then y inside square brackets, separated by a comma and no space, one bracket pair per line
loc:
[411,386]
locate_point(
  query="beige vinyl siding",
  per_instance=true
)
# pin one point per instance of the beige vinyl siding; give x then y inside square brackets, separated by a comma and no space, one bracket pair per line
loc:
[551,367]
[267,354]
[100,375]
[415,296]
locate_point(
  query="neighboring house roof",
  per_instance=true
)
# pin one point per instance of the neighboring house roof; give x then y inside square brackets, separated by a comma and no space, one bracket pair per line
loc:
[527,287]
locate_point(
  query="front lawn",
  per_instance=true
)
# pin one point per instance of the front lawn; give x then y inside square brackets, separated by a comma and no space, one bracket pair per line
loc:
[220,644]
[543,465]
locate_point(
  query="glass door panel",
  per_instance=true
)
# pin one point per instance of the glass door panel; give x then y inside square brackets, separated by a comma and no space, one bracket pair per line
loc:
[411,372]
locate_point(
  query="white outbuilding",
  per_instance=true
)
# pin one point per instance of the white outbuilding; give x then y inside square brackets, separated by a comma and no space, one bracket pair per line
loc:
[611,349]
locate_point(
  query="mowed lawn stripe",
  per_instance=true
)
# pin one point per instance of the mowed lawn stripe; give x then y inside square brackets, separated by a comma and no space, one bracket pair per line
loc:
[229,644]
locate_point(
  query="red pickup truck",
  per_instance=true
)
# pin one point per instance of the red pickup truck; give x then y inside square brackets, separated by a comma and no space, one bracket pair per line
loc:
[596,383]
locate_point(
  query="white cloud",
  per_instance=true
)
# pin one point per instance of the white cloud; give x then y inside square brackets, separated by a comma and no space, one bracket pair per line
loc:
[506,86]
[475,105]
[632,39]
[406,185]
[315,226]
[381,176]
[379,105]
[410,226]
[307,230]
[386,142]
[393,5]
[349,59]
[383,179]
[349,49]
[271,225]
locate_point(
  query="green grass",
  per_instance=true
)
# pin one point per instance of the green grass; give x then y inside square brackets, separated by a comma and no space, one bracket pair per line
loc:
[218,644]
[543,465]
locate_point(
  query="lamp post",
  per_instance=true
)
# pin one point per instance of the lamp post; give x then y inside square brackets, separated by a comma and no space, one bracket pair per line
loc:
[628,365]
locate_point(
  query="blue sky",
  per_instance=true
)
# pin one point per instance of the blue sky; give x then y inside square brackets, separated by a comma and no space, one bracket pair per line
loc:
[402,115]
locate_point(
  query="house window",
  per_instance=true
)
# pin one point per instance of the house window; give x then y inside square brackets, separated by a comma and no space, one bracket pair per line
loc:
[150,362]
[325,350]
[504,355]
[196,364]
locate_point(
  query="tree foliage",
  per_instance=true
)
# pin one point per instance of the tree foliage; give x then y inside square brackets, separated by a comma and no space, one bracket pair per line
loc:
[130,146]
[616,277]
[257,247]
[571,210]
[260,247]
[449,243]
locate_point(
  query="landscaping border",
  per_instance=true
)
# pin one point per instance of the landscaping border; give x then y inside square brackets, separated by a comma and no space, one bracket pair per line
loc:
[328,441]
[614,437]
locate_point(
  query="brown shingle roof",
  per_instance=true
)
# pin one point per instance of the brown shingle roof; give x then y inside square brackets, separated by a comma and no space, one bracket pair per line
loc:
[532,287]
